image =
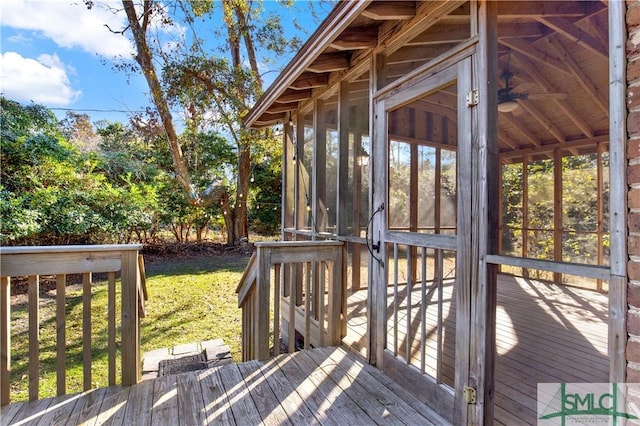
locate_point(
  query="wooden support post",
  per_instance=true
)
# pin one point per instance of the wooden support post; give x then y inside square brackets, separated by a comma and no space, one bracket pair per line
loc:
[600,196]
[484,212]
[262,295]
[5,340]
[557,211]
[130,318]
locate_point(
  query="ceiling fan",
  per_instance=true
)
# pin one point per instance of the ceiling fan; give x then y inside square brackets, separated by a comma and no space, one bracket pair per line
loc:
[508,96]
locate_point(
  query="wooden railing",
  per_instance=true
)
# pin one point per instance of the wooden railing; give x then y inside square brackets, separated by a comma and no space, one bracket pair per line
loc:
[60,261]
[307,296]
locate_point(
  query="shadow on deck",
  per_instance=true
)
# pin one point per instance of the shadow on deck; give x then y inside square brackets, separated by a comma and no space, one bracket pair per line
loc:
[318,386]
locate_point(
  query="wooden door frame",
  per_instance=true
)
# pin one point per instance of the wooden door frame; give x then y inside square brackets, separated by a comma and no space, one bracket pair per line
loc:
[458,68]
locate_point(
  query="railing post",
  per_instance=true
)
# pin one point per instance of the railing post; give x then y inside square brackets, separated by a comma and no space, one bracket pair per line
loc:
[5,340]
[263,296]
[130,318]
[335,299]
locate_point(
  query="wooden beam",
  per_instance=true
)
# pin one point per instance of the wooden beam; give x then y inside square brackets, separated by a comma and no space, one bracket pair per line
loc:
[413,54]
[533,10]
[356,38]
[542,119]
[390,11]
[309,80]
[439,34]
[393,36]
[577,143]
[580,75]
[505,139]
[329,62]
[277,108]
[292,95]
[545,86]
[520,127]
[266,119]
[521,30]
[528,50]
[568,29]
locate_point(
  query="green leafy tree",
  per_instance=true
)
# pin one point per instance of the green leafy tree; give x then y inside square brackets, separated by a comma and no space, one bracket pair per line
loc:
[51,193]
[221,82]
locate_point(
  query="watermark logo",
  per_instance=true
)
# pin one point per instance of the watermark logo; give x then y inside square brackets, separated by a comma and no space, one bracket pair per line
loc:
[588,404]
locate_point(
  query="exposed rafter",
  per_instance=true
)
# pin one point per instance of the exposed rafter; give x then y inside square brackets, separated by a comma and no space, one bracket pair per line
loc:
[329,62]
[535,9]
[390,11]
[545,87]
[310,80]
[569,30]
[356,39]
[580,75]
[517,124]
[542,119]
[294,96]
[530,51]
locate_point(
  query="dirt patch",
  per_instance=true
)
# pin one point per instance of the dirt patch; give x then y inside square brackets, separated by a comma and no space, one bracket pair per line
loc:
[154,253]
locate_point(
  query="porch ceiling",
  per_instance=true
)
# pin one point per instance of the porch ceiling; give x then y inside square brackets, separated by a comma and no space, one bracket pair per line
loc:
[556,51]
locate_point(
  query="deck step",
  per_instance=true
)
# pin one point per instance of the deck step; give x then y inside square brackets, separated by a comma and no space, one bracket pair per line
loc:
[217,353]
[319,386]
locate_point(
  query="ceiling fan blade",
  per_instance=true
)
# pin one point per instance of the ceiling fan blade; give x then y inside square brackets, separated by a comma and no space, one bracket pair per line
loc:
[525,87]
[517,112]
[546,96]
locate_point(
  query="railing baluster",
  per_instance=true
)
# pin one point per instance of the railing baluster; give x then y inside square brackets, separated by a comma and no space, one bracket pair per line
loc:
[86,330]
[36,261]
[293,297]
[307,307]
[277,279]
[409,288]
[34,336]
[300,274]
[61,333]
[439,270]
[111,309]
[321,300]
[5,340]
[423,310]
[395,299]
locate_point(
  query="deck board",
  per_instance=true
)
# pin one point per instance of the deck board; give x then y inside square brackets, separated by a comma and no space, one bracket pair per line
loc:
[545,333]
[328,386]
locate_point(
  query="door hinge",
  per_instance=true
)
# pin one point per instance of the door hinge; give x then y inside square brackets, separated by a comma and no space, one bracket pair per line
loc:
[473,97]
[469,394]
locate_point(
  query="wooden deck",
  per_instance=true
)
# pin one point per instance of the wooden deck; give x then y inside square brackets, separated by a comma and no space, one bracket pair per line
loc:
[545,334]
[319,386]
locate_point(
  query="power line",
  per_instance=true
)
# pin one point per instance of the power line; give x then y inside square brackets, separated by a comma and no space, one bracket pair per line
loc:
[96,110]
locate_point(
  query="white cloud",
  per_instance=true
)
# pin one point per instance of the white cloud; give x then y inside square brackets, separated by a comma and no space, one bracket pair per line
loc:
[71,25]
[43,80]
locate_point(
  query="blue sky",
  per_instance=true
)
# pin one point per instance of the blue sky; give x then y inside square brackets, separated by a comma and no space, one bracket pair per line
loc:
[60,54]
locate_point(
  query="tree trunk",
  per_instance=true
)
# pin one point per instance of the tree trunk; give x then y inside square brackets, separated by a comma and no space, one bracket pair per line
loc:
[144,59]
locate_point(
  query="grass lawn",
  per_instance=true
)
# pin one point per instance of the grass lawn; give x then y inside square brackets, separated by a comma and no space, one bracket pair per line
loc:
[190,299]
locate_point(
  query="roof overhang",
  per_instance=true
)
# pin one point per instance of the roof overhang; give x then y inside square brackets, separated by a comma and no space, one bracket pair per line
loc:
[307,61]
